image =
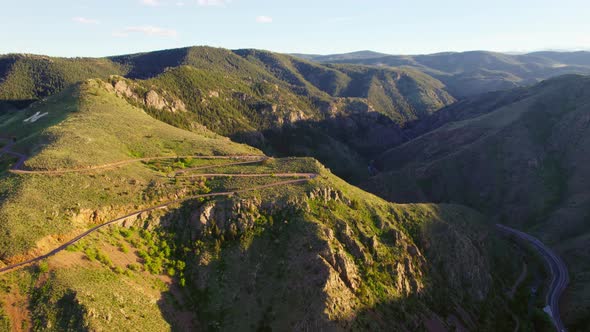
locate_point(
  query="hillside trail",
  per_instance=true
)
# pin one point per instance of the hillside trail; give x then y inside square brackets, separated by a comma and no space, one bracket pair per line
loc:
[302,178]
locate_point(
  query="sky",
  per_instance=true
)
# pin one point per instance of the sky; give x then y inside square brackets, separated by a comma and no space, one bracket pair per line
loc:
[111,27]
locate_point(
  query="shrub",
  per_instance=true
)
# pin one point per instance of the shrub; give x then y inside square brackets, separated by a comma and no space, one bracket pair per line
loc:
[90,253]
[123,247]
[134,267]
[43,267]
[104,259]
[126,232]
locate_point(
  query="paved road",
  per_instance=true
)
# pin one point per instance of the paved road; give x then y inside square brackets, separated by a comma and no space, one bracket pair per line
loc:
[558,269]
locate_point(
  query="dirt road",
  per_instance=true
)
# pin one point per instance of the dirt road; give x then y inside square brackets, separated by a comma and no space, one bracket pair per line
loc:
[302,177]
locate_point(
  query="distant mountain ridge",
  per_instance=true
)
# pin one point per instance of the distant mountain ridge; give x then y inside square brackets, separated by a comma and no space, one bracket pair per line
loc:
[474,72]
[358,55]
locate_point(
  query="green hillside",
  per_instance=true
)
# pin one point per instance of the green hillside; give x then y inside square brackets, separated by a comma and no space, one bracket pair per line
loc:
[85,126]
[521,160]
[279,252]
[26,78]
[255,97]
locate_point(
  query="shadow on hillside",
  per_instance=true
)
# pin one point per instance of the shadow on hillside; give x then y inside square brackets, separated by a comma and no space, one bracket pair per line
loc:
[29,135]
[7,105]
[267,272]
[268,277]
[345,144]
[147,65]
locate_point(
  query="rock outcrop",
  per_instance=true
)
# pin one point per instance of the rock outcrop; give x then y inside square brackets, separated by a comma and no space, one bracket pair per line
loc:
[154,98]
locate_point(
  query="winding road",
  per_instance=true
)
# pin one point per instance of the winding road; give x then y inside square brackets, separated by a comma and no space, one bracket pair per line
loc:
[302,177]
[558,270]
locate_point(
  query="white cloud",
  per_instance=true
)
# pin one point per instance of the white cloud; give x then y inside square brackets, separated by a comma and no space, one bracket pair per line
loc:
[152,3]
[85,20]
[213,2]
[264,19]
[147,30]
[180,4]
[120,34]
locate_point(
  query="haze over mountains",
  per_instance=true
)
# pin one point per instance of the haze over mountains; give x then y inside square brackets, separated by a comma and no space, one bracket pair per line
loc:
[474,138]
[471,73]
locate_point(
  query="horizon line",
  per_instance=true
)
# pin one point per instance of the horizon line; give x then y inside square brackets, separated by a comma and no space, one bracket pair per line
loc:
[555,50]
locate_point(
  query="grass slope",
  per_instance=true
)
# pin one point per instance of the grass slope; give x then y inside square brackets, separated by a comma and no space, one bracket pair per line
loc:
[87,126]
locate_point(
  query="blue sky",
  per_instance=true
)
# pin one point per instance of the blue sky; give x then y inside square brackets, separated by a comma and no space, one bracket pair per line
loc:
[109,27]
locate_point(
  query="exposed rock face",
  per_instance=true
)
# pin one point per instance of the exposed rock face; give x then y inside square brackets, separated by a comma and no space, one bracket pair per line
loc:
[343,265]
[178,104]
[161,101]
[330,267]
[353,246]
[153,99]
[232,216]
[296,115]
[326,194]
[122,89]
[408,277]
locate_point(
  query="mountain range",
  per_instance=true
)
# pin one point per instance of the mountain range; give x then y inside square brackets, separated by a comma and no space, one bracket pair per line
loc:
[470,73]
[227,180]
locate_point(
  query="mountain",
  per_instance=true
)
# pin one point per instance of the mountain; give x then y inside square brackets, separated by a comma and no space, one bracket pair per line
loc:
[475,72]
[343,114]
[519,156]
[349,113]
[213,235]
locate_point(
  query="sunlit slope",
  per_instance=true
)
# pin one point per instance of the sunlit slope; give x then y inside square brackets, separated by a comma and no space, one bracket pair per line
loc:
[84,127]
[319,254]
[89,125]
